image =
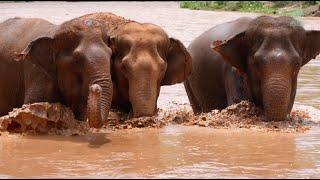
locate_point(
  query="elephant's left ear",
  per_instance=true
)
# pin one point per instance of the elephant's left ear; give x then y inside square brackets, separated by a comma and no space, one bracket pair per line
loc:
[179,63]
[39,52]
[111,42]
[312,48]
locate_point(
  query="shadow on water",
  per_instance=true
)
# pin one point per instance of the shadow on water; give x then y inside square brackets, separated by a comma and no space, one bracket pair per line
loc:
[171,152]
[94,140]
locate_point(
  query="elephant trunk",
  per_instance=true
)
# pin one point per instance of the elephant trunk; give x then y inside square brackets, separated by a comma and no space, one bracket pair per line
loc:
[143,97]
[99,100]
[276,98]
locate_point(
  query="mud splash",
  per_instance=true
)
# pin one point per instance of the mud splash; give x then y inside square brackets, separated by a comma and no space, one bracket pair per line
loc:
[241,115]
[246,115]
[56,119]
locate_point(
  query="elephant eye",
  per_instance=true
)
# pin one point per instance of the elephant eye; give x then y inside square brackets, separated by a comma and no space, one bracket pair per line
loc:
[124,68]
[124,43]
[258,42]
[76,55]
[258,59]
[296,69]
[296,65]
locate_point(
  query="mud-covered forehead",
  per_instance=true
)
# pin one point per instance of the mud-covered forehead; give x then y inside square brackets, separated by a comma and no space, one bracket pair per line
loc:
[144,32]
[279,28]
[275,23]
[72,32]
[81,27]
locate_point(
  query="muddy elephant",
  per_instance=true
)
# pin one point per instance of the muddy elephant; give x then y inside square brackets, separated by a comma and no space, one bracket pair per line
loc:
[144,58]
[67,63]
[254,59]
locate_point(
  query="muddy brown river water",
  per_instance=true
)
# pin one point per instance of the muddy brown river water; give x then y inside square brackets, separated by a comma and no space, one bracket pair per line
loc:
[174,151]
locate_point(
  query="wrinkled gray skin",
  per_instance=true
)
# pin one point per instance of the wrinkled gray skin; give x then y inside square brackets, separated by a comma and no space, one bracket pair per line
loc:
[66,63]
[256,59]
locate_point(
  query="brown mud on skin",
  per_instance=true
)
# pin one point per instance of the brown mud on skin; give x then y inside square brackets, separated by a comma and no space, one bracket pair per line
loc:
[43,118]
[241,115]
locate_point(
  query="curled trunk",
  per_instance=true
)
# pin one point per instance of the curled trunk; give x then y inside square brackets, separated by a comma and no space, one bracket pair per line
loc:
[99,101]
[94,114]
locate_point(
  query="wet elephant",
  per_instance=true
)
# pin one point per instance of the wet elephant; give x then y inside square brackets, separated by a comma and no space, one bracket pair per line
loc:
[143,59]
[256,59]
[67,63]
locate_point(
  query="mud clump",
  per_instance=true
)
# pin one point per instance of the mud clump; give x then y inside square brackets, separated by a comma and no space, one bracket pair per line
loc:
[246,115]
[43,118]
[119,120]
[56,119]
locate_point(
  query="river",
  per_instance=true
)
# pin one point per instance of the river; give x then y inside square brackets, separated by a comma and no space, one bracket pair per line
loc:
[173,151]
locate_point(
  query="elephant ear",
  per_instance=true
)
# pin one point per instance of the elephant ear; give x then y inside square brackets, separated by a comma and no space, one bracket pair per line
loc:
[179,63]
[111,42]
[39,52]
[233,51]
[312,48]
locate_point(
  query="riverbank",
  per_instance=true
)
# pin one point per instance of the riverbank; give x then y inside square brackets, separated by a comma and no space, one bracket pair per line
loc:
[281,8]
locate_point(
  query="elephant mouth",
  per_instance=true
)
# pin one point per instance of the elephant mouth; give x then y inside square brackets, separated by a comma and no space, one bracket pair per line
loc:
[142,113]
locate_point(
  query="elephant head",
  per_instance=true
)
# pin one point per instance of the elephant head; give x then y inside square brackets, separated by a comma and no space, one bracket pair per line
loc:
[145,58]
[76,56]
[270,52]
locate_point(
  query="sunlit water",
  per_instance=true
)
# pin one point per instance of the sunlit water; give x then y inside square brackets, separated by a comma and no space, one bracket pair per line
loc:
[174,151]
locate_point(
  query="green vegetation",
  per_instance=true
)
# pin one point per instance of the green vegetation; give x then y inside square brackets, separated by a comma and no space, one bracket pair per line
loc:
[289,8]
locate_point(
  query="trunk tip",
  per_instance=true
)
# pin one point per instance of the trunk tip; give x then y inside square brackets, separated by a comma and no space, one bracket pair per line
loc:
[95,88]
[94,124]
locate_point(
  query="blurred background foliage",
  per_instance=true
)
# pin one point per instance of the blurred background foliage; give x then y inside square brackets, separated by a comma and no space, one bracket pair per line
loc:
[289,8]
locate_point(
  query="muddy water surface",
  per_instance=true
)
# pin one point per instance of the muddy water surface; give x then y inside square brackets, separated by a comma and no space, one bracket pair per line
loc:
[174,151]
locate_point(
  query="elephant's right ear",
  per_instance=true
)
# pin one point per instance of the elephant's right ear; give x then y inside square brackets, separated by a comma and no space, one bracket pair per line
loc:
[312,48]
[39,52]
[179,63]
[111,42]
[233,51]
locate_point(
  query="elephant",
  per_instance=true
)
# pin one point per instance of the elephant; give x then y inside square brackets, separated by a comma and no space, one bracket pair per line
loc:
[67,63]
[255,59]
[144,58]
